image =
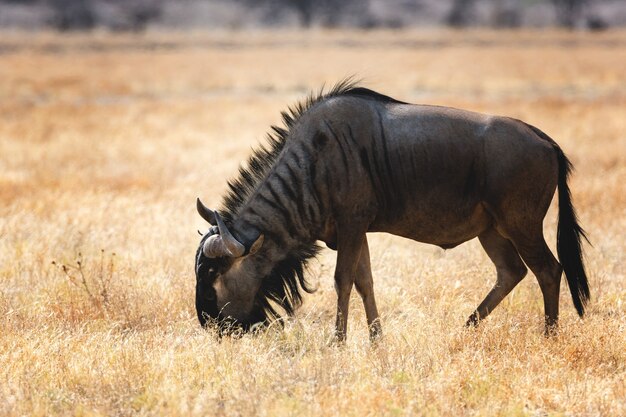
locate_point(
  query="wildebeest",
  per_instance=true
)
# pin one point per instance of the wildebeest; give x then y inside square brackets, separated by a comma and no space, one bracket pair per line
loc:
[352,161]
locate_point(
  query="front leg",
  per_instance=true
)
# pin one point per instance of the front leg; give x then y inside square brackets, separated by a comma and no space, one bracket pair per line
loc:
[348,253]
[365,287]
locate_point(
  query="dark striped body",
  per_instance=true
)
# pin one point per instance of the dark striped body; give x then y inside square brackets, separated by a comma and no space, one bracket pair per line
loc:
[356,161]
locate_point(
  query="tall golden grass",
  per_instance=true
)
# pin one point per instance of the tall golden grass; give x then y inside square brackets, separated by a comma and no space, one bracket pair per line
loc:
[106,140]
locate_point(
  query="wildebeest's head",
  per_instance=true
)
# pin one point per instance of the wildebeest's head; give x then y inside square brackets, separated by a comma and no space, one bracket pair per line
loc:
[240,280]
[228,276]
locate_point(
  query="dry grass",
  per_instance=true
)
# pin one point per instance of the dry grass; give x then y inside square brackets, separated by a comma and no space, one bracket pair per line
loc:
[105,141]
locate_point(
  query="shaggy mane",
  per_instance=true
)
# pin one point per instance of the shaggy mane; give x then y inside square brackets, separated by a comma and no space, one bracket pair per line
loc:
[282,286]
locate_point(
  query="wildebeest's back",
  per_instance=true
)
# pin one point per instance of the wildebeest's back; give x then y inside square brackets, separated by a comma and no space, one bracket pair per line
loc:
[421,170]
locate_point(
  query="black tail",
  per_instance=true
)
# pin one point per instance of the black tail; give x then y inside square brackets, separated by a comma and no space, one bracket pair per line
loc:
[568,239]
[569,234]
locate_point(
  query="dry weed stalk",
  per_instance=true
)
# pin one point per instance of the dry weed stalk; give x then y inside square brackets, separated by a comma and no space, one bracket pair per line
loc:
[96,282]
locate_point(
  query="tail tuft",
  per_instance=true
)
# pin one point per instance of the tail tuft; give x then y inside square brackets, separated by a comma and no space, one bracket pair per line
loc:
[569,239]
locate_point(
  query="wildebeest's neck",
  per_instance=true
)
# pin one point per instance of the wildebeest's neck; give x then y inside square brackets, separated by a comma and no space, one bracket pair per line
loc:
[286,205]
[278,173]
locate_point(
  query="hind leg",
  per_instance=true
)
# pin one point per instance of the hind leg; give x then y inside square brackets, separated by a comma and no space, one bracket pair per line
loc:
[533,249]
[510,271]
[365,287]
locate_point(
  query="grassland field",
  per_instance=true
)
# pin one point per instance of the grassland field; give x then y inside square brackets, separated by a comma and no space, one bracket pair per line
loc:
[106,140]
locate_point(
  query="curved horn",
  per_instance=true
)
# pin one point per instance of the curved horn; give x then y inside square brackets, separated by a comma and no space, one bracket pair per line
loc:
[214,247]
[233,246]
[205,212]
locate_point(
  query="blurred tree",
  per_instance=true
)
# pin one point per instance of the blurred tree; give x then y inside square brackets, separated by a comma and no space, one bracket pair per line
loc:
[142,12]
[83,14]
[461,13]
[327,12]
[568,11]
[597,23]
[304,8]
[506,14]
[72,14]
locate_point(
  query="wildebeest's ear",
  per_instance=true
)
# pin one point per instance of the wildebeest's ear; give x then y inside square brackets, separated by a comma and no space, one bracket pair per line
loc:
[256,245]
[205,212]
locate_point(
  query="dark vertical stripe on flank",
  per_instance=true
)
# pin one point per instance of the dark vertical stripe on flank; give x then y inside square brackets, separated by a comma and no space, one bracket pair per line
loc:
[374,178]
[286,186]
[275,203]
[306,154]
[313,189]
[350,136]
[270,202]
[308,150]
[270,229]
[311,213]
[344,157]
[294,175]
[278,206]
[367,167]
[299,198]
[254,212]
[381,187]
[392,195]
[328,183]
[384,140]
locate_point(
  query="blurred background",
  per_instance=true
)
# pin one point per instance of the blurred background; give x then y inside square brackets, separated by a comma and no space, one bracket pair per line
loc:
[138,15]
